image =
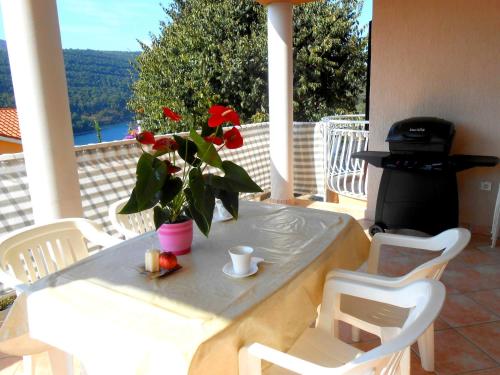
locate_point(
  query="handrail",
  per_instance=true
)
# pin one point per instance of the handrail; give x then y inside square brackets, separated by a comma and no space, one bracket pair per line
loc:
[344,174]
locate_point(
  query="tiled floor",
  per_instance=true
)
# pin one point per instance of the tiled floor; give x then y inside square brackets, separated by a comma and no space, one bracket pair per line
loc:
[467,338]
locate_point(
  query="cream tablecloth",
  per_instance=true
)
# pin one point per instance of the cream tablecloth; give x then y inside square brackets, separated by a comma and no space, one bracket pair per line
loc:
[116,321]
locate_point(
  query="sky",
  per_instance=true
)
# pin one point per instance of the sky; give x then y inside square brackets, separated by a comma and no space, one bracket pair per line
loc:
[115,25]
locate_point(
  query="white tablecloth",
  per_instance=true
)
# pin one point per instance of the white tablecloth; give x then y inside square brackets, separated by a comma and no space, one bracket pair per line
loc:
[117,321]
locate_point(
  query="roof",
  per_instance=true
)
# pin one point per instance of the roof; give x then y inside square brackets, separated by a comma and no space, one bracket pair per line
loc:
[9,124]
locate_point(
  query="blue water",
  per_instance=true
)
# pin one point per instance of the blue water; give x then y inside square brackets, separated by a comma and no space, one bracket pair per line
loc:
[113,132]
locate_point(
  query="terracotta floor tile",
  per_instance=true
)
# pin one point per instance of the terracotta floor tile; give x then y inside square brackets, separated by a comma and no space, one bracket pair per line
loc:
[399,265]
[491,371]
[486,337]
[460,310]
[476,257]
[345,334]
[489,299]
[479,240]
[416,367]
[472,279]
[454,354]
[440,324]
[11,366]
[366,345]
[390,251]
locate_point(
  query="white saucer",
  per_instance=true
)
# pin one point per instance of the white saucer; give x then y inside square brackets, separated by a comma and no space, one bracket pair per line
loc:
[228,268]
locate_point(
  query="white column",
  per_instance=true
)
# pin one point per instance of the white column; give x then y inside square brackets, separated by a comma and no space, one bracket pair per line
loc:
[37,67]
[280,60]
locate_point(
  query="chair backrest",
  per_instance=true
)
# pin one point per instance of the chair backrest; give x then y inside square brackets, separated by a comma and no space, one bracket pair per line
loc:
[33,252]
[424,298]
[130,225]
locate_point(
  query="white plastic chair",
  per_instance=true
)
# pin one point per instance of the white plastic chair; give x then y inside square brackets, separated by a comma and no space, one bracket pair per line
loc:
[371,316]
[318,351]
[130,225]
[30,253]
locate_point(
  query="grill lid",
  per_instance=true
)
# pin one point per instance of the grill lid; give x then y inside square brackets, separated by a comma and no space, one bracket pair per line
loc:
[421,134]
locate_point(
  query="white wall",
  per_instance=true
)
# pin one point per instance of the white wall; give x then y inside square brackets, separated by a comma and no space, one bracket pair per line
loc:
[440,58]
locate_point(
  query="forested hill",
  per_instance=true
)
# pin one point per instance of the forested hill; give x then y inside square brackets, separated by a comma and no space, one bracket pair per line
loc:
[98,85]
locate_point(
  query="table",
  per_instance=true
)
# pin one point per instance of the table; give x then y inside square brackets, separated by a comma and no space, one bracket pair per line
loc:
[116,321]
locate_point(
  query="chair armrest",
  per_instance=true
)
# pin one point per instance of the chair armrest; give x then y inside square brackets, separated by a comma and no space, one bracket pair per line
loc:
[10,281]
[95,234]
[105,239]
[127,233]
[384,281]
[248,354]
[411,242]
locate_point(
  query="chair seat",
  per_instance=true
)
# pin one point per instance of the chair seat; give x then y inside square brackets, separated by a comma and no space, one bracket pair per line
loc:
[320,348]
[373,312]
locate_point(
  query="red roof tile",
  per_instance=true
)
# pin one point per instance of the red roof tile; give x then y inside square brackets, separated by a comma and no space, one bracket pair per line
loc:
[9,124]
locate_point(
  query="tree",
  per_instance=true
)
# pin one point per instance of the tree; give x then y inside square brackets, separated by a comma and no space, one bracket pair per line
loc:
[215,52]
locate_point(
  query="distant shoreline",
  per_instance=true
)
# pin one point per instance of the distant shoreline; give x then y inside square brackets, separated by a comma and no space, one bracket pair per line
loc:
[110,132]
[90,131]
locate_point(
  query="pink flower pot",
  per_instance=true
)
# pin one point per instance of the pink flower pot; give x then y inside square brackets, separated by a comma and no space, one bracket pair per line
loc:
[176,238]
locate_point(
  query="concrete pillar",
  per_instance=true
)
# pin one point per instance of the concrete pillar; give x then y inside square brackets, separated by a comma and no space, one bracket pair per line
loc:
[280,60]
[37,66]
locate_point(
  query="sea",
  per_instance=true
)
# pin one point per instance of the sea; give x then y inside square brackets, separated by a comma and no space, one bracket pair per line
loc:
[112,132]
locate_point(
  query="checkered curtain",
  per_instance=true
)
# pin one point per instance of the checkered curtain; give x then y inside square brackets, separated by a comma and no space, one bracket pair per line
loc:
[107,172]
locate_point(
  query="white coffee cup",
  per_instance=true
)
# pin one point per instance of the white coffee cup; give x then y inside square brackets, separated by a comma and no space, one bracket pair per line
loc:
[241,257]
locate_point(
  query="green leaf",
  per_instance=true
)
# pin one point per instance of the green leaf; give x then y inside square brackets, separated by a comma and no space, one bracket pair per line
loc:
[203,196]
[229,200]
[160,216]
[172,187]
[151,175]
[198,218]
[187,149]
[206,150]
[206,130]
[131,207]
[235,179]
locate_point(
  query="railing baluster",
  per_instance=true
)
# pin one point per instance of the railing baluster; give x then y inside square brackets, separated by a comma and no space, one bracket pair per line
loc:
[344,135]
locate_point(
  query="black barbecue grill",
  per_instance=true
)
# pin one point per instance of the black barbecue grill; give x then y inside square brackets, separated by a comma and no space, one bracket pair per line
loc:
[418,189]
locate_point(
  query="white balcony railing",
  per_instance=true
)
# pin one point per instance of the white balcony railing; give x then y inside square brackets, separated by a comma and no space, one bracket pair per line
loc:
[342,136]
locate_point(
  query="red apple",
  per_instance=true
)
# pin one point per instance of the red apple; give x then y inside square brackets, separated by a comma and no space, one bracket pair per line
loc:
[168,261]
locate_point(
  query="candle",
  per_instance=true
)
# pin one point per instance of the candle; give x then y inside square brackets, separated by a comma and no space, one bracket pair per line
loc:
[152,260]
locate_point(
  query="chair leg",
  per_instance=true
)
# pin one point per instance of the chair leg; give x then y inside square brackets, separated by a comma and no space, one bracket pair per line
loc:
[355,334]
[248,364]
[404,365]
[61,363]
[426,348]
[28,365]
[336,328]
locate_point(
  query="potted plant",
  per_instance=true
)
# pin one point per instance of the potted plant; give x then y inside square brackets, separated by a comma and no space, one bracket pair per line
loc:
[180,192]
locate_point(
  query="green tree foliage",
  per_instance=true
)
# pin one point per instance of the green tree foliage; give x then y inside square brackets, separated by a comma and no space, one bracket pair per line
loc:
[98,86]
[215,52]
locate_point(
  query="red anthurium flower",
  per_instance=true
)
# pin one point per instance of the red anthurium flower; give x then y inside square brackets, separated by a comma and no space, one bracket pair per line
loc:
[167,112]
[172,168]
[146,138]
[233,138]
[221,115]
[215,140]
[166,144]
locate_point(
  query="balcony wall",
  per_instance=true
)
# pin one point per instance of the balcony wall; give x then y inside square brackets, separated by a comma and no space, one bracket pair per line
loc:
[107,172]
[440,58]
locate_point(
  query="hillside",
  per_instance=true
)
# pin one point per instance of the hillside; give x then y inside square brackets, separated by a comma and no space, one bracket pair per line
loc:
[98,85]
